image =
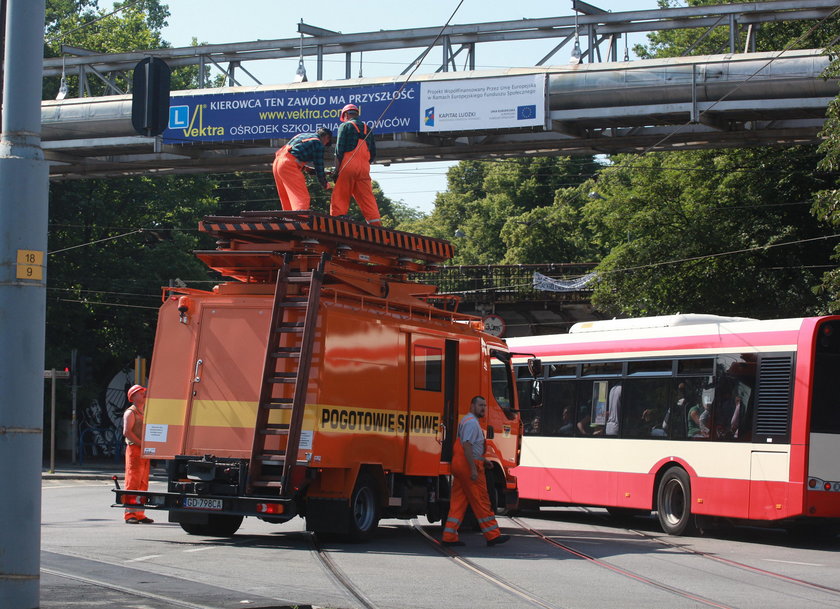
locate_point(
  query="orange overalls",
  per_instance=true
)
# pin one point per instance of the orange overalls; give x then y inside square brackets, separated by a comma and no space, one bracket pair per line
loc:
[291,185]
[136,470]
[354,180]
[469,492]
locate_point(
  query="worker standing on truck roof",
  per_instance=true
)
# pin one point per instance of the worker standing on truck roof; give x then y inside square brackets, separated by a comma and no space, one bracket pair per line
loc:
[469,484]
[355,151]
[136,467]
[290,163]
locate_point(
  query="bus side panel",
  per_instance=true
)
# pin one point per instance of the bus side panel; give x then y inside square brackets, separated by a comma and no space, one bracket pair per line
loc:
[170,377]
[770,491]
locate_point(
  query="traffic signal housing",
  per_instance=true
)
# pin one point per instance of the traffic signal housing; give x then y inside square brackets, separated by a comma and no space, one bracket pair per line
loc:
[85,369]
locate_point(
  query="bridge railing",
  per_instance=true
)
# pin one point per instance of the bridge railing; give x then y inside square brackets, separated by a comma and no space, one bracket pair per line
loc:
[507,283]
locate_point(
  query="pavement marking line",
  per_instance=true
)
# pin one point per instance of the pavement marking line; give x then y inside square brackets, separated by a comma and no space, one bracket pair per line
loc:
[142,558]
[127,590]
[793,562]
[201,549]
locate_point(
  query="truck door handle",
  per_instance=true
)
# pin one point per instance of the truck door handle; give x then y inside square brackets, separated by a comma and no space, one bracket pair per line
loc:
[197,366]
[441,434]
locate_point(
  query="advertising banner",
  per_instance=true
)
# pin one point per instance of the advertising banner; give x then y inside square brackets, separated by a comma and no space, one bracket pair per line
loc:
[260,115]
[452,105]
[483,103]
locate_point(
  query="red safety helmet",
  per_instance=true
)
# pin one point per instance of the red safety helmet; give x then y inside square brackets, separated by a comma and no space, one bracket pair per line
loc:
[349,107]
[134,389]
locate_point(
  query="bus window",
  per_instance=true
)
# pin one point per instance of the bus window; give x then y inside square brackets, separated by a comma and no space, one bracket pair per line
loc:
[655,367]
[644,403]
[602,369]
[825,405]
[557,415]
[567,370]
[734,394]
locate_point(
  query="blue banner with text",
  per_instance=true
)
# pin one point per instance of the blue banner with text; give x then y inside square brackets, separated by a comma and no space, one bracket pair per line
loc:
[281,114]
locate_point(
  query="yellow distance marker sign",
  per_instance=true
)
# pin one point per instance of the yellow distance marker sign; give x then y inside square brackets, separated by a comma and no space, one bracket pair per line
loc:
[30,265]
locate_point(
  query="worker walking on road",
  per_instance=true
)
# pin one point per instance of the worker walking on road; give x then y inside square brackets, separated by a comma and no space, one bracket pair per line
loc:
[355,151]
[136,467]
[290,163]
[469,485]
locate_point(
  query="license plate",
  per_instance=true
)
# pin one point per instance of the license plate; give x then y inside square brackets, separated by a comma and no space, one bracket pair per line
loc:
[201,503]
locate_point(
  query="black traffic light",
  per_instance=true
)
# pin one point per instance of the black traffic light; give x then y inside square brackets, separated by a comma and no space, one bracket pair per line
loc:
[85,369]
[150,96]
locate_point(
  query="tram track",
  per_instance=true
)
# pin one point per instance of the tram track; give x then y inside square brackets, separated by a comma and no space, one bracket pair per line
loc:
[616,569]
[337,574]
[734,563]
[720,559]
[480,571]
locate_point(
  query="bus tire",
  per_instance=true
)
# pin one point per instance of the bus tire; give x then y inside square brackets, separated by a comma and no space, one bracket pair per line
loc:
[673,503]
[217,525]
[364,509]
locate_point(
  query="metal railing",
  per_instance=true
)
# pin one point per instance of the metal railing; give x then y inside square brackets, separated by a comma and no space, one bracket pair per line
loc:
[506,283]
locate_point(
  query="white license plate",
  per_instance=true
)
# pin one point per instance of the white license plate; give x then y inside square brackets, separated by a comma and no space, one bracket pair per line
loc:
[200,503]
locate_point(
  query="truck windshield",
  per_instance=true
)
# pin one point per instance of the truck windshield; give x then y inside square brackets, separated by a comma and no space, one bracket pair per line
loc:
[502,381]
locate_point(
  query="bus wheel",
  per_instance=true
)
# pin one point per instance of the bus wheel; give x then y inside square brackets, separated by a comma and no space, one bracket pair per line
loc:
[217,525]
[673,501]
[364,509]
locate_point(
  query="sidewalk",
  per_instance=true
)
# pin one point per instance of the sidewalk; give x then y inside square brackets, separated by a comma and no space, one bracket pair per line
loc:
[93,470]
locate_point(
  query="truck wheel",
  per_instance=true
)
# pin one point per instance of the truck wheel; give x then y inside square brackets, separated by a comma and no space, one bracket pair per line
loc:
[673,503]
[217,525]
[364,509]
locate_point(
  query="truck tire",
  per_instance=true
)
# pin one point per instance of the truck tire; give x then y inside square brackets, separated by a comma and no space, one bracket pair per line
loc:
[673,503]
[364,509]
[217,525]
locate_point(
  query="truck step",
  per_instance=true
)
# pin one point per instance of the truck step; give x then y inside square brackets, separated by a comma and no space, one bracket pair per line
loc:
[268,483]
[283,377]
[286,352]
[274,431]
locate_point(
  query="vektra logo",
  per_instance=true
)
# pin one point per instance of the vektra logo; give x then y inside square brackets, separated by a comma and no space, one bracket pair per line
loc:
[524,113]
[430,117]
[179,117]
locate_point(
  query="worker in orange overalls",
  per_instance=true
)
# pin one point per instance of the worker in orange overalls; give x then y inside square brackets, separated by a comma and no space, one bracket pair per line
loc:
[136,467]
[290,163]
[355,151]
[469,484]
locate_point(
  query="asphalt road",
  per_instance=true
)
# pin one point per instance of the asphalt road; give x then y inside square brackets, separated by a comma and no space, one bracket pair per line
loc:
[558,558]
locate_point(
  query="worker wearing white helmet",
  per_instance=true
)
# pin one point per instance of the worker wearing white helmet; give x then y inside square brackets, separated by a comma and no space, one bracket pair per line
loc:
[355,151]
[136,467]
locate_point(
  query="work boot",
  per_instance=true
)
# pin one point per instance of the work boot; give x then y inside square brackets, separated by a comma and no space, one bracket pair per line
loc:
[146,521]
[498,540]
[132,520]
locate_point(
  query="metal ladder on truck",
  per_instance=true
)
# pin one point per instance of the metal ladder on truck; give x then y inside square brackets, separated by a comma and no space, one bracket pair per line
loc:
[292,341]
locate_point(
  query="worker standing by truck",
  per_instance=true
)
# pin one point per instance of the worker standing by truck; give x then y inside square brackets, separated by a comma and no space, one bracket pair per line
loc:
[290,163]
[136,467]
[469,485]
[355,151]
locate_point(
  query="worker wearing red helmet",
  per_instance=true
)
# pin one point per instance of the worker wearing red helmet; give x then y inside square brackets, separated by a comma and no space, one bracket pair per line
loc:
[355,151]
[290,163]
[136,467]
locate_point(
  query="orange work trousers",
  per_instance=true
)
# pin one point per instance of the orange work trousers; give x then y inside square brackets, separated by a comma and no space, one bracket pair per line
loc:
[291,184]
[469,492]
[354,181]
[136,479]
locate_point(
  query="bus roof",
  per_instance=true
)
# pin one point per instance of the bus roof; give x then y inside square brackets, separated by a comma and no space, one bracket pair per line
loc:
[659,321]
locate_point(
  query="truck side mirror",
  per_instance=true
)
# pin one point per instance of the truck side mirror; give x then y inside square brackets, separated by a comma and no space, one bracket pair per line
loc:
[535,366]
[490,432]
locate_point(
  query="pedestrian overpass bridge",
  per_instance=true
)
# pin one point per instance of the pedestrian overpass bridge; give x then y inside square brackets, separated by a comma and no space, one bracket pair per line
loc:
[745,99]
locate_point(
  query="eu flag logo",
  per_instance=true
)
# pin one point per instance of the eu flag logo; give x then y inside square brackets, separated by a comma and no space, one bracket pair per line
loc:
[524,113]
[430,116]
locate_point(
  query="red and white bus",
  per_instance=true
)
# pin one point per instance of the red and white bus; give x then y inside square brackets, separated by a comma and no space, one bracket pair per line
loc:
[688,415]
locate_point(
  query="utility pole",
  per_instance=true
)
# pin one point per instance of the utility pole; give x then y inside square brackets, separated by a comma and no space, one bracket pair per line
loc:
[24,192]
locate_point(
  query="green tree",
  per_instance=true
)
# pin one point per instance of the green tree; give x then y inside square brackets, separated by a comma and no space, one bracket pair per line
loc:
[708,231]
[486,200]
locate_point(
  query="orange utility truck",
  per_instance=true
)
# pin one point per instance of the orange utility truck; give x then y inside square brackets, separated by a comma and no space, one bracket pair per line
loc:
[318,382]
